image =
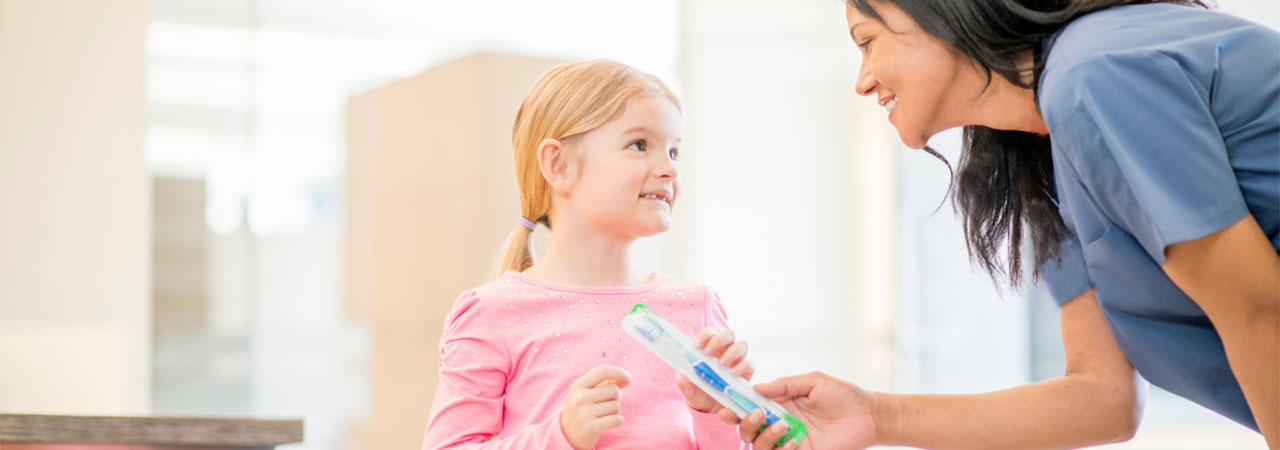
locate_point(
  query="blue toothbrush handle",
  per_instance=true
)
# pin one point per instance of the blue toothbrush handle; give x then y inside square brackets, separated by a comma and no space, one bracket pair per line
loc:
[710,376]
[707,374]
[749,405]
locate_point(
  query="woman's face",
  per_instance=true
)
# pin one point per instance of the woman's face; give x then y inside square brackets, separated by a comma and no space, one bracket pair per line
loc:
[924,84]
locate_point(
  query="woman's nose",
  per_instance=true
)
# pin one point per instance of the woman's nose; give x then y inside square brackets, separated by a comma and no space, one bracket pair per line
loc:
[866,84]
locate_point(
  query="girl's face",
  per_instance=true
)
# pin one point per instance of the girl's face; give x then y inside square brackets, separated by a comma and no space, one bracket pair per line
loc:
[925,85]
[627,182]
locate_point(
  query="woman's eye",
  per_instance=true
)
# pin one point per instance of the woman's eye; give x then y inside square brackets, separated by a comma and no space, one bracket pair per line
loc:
[865,45]
[637,145]
[674,153]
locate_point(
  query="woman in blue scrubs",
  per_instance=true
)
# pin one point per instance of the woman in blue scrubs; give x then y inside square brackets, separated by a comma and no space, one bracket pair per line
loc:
[1138,143]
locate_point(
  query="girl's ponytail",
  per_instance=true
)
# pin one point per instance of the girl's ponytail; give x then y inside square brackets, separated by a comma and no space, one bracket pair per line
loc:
[517,251]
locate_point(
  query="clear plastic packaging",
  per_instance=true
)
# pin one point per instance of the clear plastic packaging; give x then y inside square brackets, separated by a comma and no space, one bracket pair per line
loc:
[730,390]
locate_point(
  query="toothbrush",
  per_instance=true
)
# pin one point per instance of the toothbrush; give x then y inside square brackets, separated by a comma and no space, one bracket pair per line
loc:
[730,390]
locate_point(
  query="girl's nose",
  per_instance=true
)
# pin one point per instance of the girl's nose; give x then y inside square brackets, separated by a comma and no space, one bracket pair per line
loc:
[666,168]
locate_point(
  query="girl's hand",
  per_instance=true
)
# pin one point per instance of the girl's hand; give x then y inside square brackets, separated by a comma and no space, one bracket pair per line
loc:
[731,354]
[592,406]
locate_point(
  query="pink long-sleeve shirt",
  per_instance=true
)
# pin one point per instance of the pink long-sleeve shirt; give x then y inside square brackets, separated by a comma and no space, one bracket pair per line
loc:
[512,347]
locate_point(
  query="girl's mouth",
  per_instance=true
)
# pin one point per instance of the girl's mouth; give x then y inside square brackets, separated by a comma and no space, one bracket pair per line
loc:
[657,196]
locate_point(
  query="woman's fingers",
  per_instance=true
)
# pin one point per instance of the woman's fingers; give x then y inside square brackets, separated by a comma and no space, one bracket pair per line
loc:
[789,387]
[747,429]
[766,439]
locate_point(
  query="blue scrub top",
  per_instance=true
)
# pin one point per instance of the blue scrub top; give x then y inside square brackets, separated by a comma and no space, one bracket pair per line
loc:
[1165,127]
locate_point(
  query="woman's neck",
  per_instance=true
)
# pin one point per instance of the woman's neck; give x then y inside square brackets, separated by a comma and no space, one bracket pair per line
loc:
[581,256]
[1005,106]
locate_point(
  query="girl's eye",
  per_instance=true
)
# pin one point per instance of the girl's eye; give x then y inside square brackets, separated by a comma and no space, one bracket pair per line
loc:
[637,145]
[674,153]
[865,45]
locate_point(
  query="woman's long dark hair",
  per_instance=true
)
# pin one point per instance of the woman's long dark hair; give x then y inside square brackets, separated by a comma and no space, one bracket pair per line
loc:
[1003,177]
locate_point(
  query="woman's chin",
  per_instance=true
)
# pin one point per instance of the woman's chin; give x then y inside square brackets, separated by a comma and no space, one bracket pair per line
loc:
[912,140]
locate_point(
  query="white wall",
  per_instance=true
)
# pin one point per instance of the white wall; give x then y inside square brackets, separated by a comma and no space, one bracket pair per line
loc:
[1262,11]
[74,208]
[787,185]
[954,332]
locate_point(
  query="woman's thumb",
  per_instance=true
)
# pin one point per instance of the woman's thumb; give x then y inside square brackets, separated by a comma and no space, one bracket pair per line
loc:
[789,387]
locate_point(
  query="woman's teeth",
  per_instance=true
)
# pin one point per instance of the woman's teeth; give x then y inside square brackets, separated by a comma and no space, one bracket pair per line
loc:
[888,105]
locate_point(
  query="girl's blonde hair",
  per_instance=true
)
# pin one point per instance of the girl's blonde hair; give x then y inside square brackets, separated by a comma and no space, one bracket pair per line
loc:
[569,100]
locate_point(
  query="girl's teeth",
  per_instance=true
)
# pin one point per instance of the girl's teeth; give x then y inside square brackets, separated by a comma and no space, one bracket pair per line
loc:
[888,106]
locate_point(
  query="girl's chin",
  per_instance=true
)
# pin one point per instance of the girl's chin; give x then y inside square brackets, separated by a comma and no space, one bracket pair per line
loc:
[652,228]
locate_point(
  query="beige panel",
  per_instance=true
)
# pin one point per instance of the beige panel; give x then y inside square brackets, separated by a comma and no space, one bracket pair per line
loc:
[74,206]
[180,307]
[55,370]
[431,195]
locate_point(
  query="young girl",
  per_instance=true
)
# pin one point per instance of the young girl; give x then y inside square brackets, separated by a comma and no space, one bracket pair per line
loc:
[537,359]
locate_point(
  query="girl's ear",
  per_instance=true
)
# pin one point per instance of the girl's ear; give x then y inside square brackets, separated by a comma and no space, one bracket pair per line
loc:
[555,164]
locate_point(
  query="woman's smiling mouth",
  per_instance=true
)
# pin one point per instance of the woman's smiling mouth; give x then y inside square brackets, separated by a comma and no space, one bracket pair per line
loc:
[888,104]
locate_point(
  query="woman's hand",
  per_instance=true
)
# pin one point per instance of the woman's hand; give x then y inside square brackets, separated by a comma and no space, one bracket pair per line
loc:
[593,406]
[732,354]
[839,415]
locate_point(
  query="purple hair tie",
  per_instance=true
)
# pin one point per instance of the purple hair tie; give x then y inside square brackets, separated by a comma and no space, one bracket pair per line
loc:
[528,224]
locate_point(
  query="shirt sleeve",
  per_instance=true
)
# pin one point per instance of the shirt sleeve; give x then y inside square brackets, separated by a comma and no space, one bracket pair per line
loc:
[1066,276]
[467,410]
[710,432]
[1139,130]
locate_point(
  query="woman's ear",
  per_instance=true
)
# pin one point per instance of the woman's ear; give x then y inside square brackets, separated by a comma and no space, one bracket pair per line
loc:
[555,164]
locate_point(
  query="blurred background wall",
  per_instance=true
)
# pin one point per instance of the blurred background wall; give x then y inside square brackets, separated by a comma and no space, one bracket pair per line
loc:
[265,207]
[75,203]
